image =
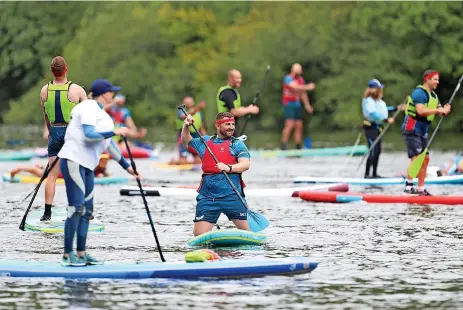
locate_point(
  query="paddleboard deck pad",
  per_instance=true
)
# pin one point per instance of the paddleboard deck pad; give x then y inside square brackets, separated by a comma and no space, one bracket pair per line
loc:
[228,237]
[263,192]
[456,179]
[380,198]
[56,225]
[238,268]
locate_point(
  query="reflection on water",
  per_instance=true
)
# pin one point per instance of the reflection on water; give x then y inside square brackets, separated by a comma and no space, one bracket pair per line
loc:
[370,255]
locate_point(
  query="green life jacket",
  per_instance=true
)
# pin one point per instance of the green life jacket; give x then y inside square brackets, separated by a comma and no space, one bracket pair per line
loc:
[432,103]
[58,107]
[221,107]
[198,122]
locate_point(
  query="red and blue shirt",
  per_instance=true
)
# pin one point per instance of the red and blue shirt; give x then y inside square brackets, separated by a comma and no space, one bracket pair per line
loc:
[292,97]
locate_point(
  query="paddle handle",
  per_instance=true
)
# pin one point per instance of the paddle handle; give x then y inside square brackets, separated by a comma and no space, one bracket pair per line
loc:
[182,108]
[132,163]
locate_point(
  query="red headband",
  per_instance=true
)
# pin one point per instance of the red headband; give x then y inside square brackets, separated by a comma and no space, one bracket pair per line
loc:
[430,75]
[225,120]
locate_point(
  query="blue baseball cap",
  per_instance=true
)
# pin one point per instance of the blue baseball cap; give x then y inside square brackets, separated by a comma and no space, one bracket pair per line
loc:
[101,86]
[375,84]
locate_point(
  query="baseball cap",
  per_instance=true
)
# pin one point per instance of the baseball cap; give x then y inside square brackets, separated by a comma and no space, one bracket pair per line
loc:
[101,86]
[375,84]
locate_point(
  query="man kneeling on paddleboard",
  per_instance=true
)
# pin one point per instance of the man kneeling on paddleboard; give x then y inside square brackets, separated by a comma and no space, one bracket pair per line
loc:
[215,195]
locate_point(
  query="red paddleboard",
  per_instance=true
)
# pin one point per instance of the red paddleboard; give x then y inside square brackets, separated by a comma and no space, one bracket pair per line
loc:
[379,198]
[341,187]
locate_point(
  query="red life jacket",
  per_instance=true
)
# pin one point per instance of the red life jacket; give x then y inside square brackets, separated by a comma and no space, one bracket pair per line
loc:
[223,155]
[221,152]
[289,94]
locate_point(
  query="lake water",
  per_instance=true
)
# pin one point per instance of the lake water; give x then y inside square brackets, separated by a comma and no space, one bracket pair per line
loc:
[370,255]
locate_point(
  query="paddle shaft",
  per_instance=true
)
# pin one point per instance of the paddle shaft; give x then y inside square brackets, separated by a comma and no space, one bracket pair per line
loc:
[255,99]
[357,141]
[377,139]
[132,163]
[36,190]
[215,159]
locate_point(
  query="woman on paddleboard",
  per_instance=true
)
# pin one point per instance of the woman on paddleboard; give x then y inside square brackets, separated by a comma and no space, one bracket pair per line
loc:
[375,113]
[88,135]
[215,195]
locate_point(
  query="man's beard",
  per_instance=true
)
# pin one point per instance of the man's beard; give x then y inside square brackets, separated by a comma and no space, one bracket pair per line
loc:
[227,133]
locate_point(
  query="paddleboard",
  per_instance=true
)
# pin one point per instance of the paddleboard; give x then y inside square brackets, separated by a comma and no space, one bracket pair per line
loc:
[379,198]
[237,268]
[228,237]
[358,150]
[21,155]
[56,225]
[30,179]
[186,167]
[455,179]
[256,192]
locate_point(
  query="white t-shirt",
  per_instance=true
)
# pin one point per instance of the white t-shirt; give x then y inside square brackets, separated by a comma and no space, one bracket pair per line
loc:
[76,147]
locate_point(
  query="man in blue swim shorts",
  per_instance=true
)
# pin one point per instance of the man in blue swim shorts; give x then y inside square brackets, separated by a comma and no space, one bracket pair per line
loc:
[215,195]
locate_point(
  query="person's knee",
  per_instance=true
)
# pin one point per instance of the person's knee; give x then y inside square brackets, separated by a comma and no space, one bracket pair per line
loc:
[299,125]
[73,210]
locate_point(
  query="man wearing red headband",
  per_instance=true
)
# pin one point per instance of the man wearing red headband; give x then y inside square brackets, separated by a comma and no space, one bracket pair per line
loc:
[422,106]
[57,99]
[215,195]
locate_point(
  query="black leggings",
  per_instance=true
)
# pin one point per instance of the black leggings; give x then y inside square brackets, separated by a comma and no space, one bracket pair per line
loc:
[371,133]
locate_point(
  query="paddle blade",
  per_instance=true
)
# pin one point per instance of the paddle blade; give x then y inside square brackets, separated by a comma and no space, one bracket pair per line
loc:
[257,222]
[416,165]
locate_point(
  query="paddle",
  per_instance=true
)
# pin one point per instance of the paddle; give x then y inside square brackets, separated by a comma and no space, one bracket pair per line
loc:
[357,141]
[255,99]
[415,166]
[35,191]
[256,221]
[372,146]
[132,163]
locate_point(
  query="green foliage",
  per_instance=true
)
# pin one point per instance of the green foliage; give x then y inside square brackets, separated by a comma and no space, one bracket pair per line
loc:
[161,51]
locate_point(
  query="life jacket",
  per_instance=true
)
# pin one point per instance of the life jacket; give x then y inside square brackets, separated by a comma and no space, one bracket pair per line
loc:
[198,121]
[221,104]
[432,103]
[58,107]
[289,94]
[223,155]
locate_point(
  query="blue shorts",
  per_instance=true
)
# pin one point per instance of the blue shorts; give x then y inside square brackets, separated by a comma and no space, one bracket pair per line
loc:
[56,139]
[209,209]
[292,112]
[182,151]
[415,144]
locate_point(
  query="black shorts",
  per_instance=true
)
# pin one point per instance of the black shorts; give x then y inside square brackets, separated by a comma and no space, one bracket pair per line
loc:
[415,144]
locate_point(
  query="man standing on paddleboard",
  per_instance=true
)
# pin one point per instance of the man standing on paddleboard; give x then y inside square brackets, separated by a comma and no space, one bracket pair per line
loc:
[229,99]
[422,106]
[57,99]
[215,195]
[294,90]
[89,134]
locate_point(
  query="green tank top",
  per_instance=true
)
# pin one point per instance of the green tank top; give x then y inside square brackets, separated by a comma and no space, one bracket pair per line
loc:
[198,122]
[58,107]
[432,103]
[221,107]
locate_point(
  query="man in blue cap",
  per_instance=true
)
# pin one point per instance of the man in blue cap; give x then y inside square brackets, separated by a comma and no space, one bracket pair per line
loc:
[88,135]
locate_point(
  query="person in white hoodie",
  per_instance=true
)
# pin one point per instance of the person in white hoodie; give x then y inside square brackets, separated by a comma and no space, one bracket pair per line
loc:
[88,135]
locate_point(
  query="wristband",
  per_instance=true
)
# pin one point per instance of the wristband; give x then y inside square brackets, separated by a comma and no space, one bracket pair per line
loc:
[230,166]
